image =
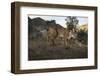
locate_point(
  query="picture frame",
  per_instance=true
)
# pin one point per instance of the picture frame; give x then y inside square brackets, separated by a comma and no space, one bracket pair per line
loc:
[20,13]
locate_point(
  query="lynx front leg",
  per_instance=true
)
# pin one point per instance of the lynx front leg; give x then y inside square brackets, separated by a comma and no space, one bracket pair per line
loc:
[66,43]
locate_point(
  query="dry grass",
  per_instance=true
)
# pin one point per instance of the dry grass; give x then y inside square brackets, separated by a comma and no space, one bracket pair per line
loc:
[40,50]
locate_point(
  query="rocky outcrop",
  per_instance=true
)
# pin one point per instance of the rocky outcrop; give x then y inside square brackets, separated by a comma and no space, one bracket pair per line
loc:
[38,26]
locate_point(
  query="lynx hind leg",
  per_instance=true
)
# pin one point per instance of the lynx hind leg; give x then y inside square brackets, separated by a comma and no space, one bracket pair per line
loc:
[48,40]
[51,42]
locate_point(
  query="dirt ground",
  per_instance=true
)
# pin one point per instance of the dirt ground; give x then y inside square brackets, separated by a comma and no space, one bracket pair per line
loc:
[39,50]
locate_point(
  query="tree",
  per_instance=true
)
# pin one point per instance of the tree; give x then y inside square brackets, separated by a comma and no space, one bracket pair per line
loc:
[71,22]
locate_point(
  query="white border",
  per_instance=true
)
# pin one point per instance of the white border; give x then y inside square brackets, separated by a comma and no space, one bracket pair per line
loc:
[25,64]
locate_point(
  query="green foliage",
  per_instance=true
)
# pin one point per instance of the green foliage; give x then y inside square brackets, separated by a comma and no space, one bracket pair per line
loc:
[83,36]
[71,22]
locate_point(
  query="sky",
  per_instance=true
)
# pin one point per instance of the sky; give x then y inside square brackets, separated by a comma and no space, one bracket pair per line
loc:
[61,19]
